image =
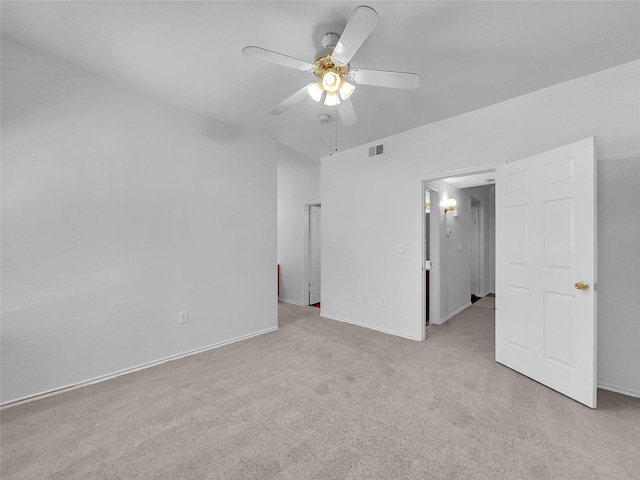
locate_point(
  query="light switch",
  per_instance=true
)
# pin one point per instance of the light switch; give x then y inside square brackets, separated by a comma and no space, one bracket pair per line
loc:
[400,247]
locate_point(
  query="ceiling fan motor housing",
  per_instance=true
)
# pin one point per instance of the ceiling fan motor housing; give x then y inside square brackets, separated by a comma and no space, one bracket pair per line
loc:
[327,64]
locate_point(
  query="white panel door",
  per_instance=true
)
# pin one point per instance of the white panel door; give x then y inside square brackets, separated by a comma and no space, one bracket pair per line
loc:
[545,246]
[314,255]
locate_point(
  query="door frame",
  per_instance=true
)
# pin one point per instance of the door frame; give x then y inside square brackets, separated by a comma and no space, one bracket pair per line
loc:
[307,251]
[423,183]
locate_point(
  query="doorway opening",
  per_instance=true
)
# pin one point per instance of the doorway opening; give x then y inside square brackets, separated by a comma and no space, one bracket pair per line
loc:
[313,254]
[458,242]
[544,236]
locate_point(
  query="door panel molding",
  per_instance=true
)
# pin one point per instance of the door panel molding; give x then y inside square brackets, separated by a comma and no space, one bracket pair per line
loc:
[545,244]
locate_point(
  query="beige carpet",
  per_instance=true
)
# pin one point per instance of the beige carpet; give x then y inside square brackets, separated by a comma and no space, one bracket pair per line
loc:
[320,399]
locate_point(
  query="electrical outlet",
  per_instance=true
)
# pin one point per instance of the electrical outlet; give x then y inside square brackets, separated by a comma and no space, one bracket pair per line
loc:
[183,317]
[364,299]
[383,301]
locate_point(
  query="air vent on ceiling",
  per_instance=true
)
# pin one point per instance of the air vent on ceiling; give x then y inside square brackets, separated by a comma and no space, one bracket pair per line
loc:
[376,150]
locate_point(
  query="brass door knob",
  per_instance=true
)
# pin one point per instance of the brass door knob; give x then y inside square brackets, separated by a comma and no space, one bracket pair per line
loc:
[582,286]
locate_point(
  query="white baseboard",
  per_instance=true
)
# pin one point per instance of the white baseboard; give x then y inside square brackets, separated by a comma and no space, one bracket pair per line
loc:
[370,327]
[452,314]
[292,302]
[109,376]
[623,391]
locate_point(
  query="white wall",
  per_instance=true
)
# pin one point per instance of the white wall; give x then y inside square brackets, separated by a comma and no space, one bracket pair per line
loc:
[619,275]
[487,246]
[361,229]
[119,211]
[298,185]
[450,275]
[454,263]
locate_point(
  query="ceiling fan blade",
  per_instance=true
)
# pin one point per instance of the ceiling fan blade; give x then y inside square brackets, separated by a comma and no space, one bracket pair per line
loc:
[383,78]
[291,101]
[359,27]
[347,113]
[277,58]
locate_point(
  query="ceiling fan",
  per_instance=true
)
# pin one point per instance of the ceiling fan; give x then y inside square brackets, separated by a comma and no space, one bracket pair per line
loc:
[336,80]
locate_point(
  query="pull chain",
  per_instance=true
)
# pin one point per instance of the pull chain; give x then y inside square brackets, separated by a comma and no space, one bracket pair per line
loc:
[330,137]
[333,135]
[335,121]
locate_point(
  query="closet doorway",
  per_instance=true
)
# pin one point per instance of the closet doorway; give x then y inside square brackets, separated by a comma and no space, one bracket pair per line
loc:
[314,253]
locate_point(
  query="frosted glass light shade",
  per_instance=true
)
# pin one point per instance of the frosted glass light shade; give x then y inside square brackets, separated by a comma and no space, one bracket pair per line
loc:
[332,99]
[331,81]
[450,205]
[346,89]
[315,90]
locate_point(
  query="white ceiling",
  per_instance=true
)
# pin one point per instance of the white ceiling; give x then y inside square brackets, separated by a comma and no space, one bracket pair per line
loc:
[470,181]
[469,54]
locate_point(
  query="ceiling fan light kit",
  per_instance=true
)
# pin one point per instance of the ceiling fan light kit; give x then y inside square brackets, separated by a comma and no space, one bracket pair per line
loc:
[346,89]
[331,99]
[315,90]
[331,81]
[336,82]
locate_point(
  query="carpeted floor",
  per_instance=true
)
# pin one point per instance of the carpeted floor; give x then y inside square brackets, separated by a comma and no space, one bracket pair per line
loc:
[319,399]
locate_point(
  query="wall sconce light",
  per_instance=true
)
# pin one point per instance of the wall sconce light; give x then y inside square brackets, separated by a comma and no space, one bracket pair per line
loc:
[450,205]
